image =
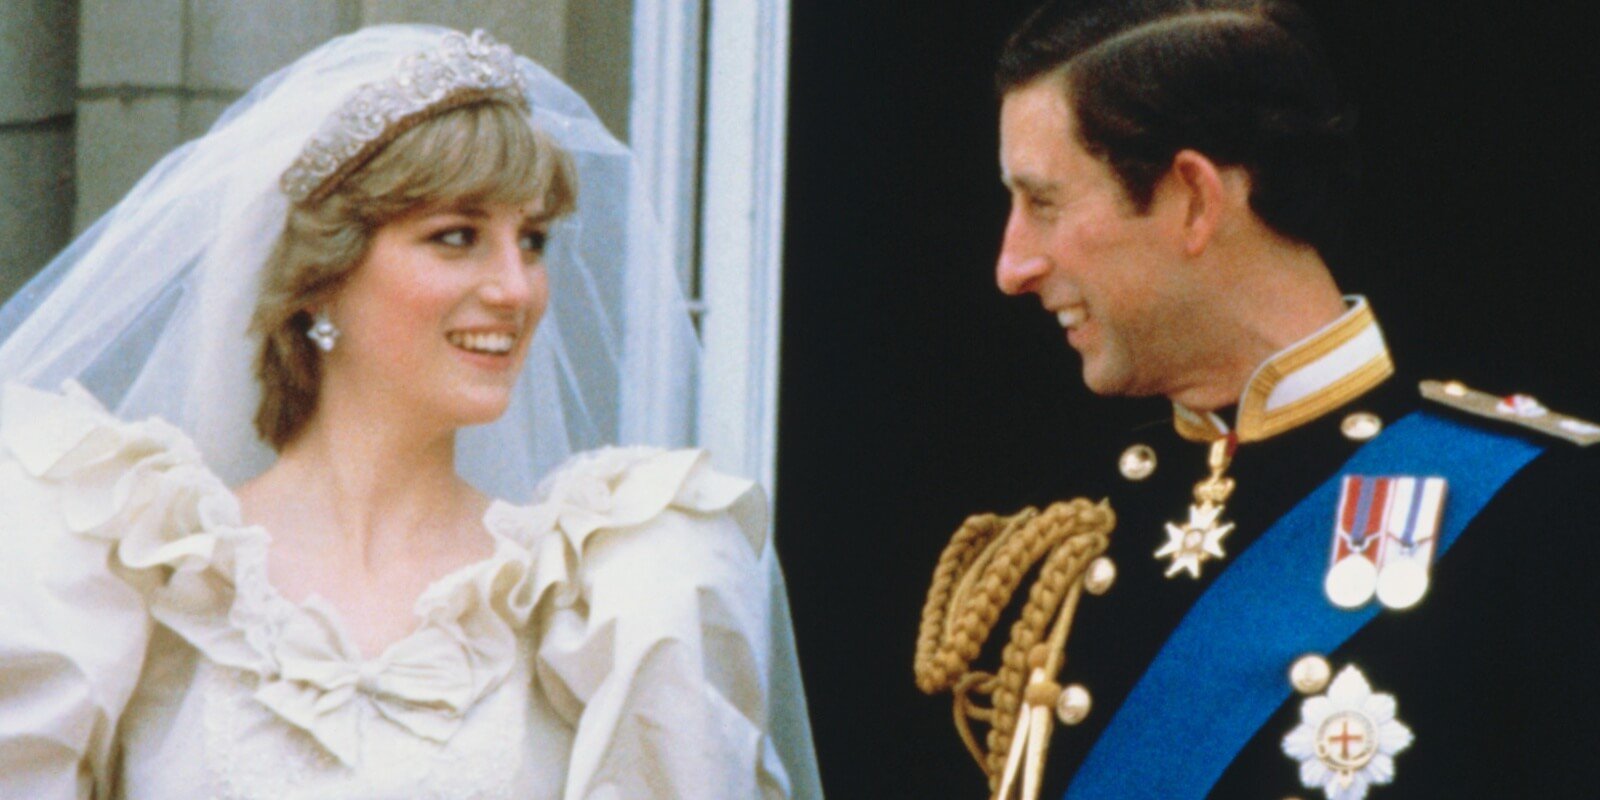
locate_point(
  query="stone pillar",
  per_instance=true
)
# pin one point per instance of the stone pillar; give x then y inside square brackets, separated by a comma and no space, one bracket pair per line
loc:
[130,77]
[534,28]
[233,44]
[38,48]
[589,43]
[96,91]
[156,73]
[602,69]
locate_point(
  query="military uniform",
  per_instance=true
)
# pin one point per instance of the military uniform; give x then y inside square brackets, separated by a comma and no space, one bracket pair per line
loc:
[1492,673]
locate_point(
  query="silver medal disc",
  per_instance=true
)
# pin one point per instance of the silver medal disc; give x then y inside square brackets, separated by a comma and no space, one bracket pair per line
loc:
[1351,582]
[1402,583]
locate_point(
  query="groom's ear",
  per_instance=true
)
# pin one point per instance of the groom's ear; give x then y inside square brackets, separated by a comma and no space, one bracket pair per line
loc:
[1194,197]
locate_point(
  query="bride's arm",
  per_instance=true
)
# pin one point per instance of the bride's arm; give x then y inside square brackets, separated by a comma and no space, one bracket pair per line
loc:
[72,639]
[666,651]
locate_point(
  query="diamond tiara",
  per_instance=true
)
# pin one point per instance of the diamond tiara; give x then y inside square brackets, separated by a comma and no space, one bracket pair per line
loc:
[462,70]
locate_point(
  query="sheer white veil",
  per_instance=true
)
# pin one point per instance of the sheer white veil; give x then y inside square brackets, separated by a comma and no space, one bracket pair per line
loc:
[149,308]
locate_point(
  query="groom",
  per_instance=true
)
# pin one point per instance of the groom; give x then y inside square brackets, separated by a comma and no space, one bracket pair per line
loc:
[1380,605]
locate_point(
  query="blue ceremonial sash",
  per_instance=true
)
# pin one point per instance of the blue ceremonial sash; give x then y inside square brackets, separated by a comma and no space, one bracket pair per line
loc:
[1222,673]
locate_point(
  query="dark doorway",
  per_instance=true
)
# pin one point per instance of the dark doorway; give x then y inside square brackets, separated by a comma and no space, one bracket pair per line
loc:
[914,394]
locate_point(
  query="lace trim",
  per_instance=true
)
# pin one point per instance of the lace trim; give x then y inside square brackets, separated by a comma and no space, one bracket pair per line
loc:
[253,754]
[231,719]
[179,538]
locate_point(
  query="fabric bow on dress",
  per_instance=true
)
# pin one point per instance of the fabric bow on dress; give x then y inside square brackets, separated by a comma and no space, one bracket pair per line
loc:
[176,535]
[179,537]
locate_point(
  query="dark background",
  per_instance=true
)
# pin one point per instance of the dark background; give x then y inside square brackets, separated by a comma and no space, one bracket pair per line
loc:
[913,393]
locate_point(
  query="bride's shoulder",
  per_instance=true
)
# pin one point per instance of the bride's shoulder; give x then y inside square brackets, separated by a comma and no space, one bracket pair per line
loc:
[91,512]
[612,488]
[56,434]
[661,585]
[620,512]
[70,470]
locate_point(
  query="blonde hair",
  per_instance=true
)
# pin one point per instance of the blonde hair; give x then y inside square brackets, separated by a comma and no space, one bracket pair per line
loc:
[479,153]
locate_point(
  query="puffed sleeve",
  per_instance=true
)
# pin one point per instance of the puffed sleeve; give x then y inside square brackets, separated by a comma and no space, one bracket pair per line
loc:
[658,649]
[72,632]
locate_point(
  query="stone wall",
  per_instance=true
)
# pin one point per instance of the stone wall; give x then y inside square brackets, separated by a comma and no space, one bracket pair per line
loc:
[38,47]
[96,91]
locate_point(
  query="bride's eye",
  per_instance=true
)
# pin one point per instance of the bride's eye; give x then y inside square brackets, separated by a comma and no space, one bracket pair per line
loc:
[456,237]
[534,241]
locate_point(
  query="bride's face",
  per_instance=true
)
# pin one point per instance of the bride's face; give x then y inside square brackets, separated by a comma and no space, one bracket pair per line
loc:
[438,315]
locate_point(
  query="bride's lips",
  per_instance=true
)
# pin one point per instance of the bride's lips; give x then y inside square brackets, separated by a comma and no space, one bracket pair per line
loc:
[485,347]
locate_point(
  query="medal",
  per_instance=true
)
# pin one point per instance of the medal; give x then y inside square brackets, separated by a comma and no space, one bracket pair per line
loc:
[1192,543]
[1347,738]
[1410,532]
[1383,540]
[1353,571]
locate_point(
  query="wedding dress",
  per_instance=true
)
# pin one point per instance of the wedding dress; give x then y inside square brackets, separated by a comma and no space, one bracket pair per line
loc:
[628,636]
[612,646]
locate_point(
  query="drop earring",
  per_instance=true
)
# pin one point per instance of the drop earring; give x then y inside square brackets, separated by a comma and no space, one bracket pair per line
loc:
[323,332]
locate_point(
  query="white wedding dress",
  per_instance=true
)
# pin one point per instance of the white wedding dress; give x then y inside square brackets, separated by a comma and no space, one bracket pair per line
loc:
[612,647]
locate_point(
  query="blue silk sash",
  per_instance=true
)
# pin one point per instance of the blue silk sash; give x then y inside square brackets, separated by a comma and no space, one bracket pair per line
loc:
[1222,673]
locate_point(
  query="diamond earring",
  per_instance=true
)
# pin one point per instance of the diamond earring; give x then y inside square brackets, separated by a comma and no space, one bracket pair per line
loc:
[323,332]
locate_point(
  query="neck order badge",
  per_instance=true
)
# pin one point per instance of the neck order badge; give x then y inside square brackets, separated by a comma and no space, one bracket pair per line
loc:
[1190,544]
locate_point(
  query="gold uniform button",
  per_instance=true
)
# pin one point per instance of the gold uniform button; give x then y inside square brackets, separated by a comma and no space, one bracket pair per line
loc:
[1310,674]
[1137,462]
[1101,574]
[1360,426]
[1072,705]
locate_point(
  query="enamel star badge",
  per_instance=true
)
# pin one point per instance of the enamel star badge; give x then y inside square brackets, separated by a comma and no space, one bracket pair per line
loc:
[1192,543]
[1347,738]
[1384,539]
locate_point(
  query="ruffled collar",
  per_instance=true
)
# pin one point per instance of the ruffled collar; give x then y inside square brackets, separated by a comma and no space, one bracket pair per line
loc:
[313,675]
[180,539]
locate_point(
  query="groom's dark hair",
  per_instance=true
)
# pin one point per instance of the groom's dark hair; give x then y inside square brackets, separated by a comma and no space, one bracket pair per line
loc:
[1243,82]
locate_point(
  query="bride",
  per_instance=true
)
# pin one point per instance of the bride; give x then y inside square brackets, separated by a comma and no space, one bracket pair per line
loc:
[251,547]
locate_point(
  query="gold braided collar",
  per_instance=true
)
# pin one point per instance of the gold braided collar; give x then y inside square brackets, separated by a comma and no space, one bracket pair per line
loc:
[1327,369]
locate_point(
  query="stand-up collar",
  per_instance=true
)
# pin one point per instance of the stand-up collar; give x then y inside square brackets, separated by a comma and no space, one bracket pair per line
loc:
[1332,366]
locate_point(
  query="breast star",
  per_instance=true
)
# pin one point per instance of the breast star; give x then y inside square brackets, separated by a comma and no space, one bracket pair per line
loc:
[1195,542]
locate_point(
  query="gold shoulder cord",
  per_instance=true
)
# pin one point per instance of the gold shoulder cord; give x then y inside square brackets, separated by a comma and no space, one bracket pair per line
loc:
[978,571]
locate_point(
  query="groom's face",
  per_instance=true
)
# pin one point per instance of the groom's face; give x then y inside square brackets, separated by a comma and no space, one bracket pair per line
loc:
[1108,272]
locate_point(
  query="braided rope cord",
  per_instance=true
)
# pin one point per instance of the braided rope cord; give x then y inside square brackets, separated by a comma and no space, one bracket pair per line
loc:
[985,562]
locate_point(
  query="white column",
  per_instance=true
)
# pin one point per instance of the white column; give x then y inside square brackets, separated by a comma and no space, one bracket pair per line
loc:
[742,233]
[665,125]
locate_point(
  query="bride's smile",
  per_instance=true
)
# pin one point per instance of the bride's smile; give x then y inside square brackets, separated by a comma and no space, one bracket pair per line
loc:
[284,539]
[442,307]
